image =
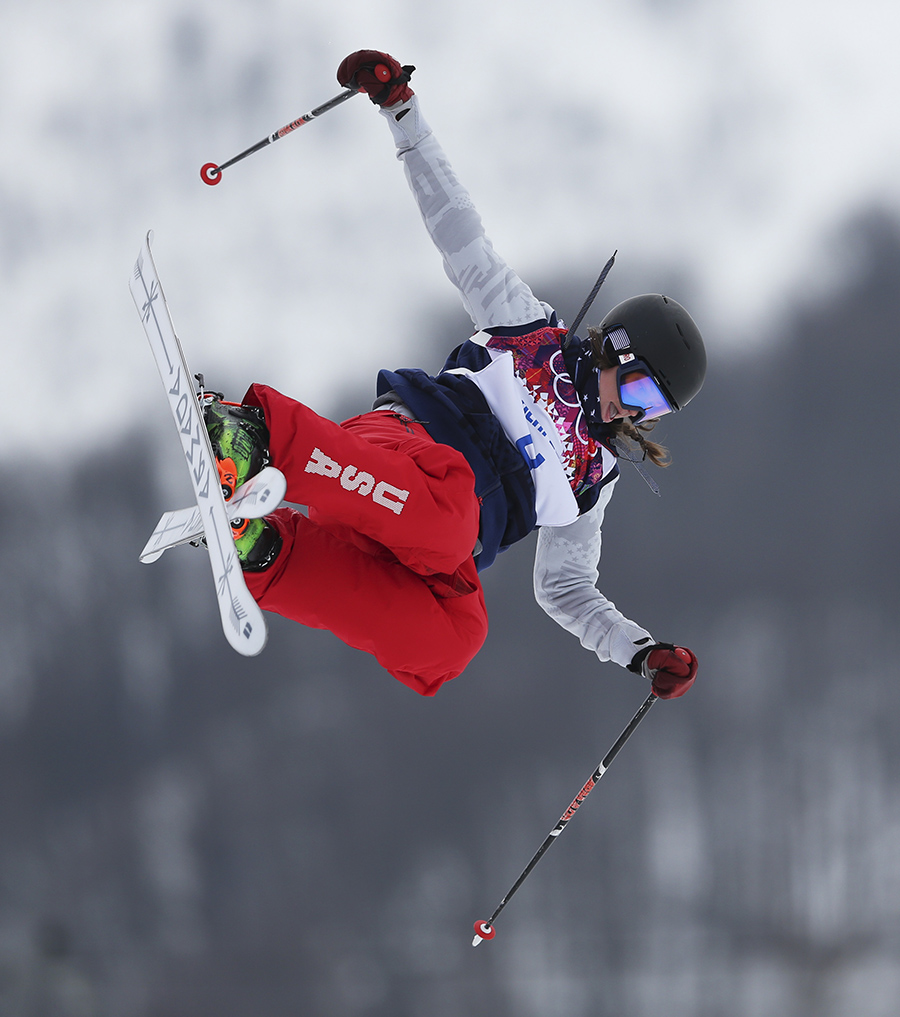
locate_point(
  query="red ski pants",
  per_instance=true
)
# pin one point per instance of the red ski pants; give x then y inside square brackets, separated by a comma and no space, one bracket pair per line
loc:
[384,560]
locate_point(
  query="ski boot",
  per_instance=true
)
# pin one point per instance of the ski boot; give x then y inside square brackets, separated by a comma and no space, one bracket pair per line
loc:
[257,543]
[240,442]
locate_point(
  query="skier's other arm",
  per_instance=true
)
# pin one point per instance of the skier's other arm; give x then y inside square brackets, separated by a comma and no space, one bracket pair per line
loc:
[565,585]
[493,295]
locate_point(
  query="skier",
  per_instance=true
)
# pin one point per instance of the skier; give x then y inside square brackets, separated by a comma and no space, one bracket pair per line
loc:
[409,501]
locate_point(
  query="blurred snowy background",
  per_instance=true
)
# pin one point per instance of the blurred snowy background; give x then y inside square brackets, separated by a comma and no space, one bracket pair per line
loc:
[186,833]
[726,142]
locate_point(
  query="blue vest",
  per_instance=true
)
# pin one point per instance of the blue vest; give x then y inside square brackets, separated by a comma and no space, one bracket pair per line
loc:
[455,413]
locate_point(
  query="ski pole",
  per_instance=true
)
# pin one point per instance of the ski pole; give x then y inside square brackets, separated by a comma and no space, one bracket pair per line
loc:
[586,306]
[485,930]
[211,173]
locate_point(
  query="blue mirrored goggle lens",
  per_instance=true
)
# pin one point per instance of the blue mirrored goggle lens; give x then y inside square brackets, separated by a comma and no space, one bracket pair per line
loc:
[638,391]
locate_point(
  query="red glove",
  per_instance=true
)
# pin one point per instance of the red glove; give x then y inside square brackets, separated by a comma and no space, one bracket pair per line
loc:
[672,669]
[376,74]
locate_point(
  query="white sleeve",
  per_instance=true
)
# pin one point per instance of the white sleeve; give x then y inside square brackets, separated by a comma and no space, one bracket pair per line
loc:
[565,578]
[492,293]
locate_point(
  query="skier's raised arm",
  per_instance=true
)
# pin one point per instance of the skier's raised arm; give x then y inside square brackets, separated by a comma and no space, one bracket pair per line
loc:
[493,295]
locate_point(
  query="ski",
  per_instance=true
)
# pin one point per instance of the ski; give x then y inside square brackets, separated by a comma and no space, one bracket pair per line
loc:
[257,497]
[242,619]
[180,526]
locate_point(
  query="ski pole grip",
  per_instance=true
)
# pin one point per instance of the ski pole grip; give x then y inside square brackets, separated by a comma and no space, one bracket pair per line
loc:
[381,71]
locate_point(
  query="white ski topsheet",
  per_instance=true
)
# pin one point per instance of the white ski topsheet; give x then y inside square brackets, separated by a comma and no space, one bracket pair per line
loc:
[259,496]
[242,619]
[180,526]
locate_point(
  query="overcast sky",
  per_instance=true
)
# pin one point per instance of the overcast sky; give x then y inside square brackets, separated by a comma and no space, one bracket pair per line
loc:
[724,142]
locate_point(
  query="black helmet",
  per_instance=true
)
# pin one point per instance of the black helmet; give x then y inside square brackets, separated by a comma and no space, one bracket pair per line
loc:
[659,331]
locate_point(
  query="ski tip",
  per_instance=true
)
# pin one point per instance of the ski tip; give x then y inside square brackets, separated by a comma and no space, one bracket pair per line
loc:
[210,174]
[250,640]
[483,931]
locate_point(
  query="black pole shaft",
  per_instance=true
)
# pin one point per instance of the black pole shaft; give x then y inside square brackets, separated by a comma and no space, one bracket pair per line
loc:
[586,306]
[577,801]
[348,93]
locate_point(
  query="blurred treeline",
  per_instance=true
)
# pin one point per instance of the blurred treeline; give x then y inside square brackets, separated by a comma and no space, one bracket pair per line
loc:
[185,833]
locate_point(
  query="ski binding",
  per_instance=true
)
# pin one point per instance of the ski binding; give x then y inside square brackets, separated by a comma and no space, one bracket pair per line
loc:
[256,498]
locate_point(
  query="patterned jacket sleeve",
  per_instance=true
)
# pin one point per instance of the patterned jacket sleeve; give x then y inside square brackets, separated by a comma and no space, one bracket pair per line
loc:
[493,295]
[565,577]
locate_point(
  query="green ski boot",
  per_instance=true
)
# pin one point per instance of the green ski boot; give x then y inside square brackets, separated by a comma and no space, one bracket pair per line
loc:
[240,441]
[257,543]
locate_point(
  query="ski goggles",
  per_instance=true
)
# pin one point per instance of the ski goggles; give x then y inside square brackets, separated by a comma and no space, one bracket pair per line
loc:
[639,391]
